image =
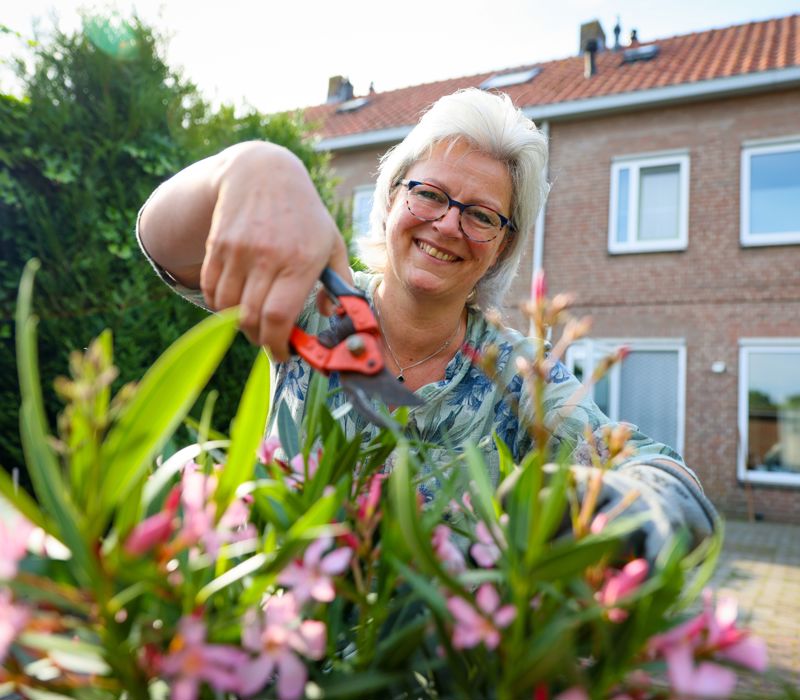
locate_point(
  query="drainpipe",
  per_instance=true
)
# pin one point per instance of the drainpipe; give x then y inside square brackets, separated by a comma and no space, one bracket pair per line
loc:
[538,230]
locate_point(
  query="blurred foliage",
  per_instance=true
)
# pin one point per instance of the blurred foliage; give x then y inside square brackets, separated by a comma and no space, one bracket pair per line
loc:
[101,122]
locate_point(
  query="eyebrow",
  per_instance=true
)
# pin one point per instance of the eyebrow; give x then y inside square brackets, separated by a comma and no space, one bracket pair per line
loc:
[438,183]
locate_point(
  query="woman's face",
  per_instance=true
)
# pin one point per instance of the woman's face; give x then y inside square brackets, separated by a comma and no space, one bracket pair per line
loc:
[433,259]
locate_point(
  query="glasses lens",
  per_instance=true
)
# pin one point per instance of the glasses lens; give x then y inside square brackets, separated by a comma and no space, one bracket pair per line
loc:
[480,223]
[427,202]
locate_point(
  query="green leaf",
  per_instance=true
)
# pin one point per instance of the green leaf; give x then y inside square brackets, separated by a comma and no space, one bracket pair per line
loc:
[19,500]
[42,464]
[483,501]
[552,509]
[247,433]
[237,573]
[287,431]
[570,558]
[163,398]
[366,683]
[422,585]
[159,480]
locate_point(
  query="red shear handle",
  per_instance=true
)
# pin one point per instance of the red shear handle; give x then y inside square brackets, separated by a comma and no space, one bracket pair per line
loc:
[357,353]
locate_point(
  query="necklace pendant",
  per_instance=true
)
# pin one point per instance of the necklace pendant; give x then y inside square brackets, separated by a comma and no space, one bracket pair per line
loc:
[401,378]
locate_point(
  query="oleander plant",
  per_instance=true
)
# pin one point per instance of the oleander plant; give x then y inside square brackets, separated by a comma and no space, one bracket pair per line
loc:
[308,565]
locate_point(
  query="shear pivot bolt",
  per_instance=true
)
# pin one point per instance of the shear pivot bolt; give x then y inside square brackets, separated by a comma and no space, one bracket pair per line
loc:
[356,345]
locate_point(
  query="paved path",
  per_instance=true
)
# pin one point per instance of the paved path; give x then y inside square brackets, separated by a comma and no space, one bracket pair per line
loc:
[760,565]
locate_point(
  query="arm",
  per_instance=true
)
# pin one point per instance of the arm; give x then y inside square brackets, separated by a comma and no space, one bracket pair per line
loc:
[247,227]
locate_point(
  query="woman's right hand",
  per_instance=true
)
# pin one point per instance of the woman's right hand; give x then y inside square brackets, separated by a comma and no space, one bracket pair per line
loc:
[264,231]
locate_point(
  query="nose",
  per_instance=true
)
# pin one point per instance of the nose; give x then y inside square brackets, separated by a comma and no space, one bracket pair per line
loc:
[450,222]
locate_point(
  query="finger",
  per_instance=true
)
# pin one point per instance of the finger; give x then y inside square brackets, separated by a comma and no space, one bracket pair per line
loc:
[253,295]
[209,276]
[229,286]
[280,310]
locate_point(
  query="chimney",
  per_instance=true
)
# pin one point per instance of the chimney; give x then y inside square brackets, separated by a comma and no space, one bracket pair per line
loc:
[592,30]
[339,89]
[634,37]
[589,62]
[617,32]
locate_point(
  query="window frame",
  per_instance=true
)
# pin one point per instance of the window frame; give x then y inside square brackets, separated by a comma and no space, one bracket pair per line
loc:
[746,347]
[749,149]
[635,164]
[596,348]
[360,191]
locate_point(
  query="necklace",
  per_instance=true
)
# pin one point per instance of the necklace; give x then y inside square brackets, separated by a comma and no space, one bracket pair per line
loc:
[400,376]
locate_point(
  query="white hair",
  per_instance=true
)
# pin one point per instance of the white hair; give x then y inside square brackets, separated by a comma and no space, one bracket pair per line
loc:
[491,123]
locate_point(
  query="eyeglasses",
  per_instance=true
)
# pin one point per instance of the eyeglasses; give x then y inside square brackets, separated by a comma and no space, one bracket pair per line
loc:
[431,203]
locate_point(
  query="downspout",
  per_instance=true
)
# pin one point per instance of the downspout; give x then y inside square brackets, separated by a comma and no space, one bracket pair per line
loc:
[538,230]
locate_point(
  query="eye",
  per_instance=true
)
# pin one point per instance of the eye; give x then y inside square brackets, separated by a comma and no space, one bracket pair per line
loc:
[485,218]
[429,194]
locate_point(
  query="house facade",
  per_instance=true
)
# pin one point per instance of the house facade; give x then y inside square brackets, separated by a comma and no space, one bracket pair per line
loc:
[674,219]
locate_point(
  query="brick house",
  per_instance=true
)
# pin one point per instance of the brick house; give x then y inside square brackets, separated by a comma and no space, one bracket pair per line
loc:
[674,217]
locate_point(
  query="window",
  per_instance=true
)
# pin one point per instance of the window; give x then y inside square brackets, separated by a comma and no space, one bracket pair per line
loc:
[649,208]
[769,411]
[646,389]
[362,206]
[508,79]
[770,197]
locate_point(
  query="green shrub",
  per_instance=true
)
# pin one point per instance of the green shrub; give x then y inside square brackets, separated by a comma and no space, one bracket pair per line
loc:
[102,121]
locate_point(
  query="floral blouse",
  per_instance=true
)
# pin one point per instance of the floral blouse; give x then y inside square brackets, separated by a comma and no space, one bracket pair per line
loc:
[466,405]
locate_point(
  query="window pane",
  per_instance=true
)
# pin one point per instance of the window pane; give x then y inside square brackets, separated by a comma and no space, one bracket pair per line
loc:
[773,432]
[659,199]
[649,393]
[601,389]
[362,206]
[775,192]
[623,193]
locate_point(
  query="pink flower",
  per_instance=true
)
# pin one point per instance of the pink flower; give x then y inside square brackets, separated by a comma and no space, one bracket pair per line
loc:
[13,545]
[711,634]
[621,584]
[574,693]
[298,467]
[267,449]
[191,661]
[156,529]
[451,557]
[538,287]
[13,619]
[311,576]
[368,504]
[278,637]
[199,511]
[481,625]
[485,551]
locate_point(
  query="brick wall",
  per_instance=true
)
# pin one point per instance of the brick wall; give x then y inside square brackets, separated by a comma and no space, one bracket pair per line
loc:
[712,294]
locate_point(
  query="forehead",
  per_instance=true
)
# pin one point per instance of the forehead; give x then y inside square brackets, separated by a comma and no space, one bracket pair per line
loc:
[464,171]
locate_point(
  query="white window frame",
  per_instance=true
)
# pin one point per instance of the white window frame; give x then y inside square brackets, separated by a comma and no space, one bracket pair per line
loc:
[359,192]
[635,164]
[747,346]
[750,149]
[590,349]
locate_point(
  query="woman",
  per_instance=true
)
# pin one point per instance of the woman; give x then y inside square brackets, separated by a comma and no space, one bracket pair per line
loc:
[455,205]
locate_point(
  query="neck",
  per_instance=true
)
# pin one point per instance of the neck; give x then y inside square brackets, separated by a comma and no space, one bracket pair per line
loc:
[415,329]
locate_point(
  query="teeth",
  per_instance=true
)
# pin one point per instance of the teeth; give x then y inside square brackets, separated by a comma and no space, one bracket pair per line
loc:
[436,253]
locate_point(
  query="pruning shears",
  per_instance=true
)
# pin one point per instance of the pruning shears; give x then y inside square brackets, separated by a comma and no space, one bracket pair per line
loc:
[351,348]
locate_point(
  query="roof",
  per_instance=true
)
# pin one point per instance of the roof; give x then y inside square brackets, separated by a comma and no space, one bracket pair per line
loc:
[751,56]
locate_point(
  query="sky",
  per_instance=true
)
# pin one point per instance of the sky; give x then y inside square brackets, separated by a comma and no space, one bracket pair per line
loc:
[279,54]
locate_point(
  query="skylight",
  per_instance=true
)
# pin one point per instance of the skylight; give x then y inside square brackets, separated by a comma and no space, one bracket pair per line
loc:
[640,53]
[352,105]
[505,79]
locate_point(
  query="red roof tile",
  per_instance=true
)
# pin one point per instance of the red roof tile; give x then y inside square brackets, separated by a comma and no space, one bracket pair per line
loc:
[717,53]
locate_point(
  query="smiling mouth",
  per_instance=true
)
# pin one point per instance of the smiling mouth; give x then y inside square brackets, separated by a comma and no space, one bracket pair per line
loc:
[435,252]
